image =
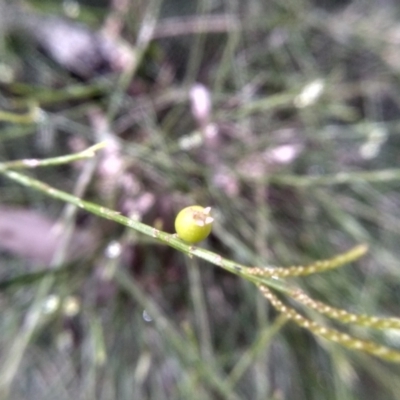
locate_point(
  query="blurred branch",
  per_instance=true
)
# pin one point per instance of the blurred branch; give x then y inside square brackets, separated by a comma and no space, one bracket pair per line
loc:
[34,162]
[45,95]
[30,117]
[343,316]
[317,267]
[384,175]
[167,238]
[331,334]
[195,25]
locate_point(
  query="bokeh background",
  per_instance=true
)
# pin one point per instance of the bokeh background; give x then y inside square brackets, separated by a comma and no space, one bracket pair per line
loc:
[283,116]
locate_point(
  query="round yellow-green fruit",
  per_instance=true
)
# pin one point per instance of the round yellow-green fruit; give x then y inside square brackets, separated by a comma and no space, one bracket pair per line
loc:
[194,223]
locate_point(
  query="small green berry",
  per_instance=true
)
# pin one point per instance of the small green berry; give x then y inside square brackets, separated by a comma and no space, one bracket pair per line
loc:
[193,224]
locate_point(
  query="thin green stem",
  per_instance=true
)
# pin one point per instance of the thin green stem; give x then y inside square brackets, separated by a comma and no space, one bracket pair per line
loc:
[35,163]
[344,316]
[317,267]
[200,309]
[383,175]
[344,339]
[30,117]
[167,238]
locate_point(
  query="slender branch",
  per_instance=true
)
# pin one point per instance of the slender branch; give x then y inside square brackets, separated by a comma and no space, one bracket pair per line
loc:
[319,266]
[344,316]
[344,339]
[34,162]
[30,117]
[384,175]
[164,237]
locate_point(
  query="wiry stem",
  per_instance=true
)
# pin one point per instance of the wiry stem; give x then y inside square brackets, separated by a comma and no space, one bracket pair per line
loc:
[344,339]
[167,238]
[383,175]
[317,267]
[32,116]
[343,315]
[35,162]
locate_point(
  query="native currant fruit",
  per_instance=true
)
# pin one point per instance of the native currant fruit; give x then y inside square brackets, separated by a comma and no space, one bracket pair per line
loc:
[193,224]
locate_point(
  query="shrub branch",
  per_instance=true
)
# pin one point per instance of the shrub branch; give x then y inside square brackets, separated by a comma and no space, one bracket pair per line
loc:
[265,278]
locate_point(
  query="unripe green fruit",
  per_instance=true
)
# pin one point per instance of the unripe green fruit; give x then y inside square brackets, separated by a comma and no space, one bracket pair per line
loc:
[193,224]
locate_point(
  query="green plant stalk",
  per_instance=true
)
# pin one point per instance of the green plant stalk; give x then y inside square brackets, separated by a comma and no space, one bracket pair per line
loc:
[317,267]
[164,237]
[30,117]
[43,95]
[383,175]
[200,310]
[35,162]
[344,339]
[344,316]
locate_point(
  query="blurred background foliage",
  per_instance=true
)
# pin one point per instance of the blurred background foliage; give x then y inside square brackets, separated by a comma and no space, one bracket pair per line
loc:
[281,115]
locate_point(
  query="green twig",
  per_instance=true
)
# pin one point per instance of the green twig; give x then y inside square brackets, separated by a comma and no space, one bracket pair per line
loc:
[344,316]
[319,266]
[30,117]
[344,339]
[384,175]
[35,163]
[164,237]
